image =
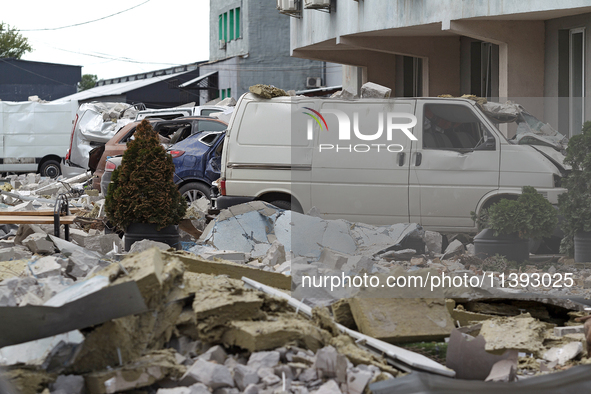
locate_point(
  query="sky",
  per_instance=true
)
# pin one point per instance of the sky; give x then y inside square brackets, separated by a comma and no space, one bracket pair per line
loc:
[155,34]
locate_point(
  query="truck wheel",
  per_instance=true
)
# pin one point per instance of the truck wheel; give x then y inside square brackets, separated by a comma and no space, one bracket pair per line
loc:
[50,168]
[194,191]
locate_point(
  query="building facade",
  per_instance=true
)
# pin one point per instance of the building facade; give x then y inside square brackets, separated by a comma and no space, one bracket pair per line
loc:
[249,44]
[20,79]
[535,52]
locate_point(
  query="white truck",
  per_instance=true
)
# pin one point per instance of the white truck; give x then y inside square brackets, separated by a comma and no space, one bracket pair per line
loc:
[34,136]
[366,161]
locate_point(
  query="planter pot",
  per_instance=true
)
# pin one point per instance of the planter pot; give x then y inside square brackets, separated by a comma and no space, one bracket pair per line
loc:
[583,247]
[510,246]
[138,231]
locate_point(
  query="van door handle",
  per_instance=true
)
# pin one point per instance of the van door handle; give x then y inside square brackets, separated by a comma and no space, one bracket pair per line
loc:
[418,159]
[400,159]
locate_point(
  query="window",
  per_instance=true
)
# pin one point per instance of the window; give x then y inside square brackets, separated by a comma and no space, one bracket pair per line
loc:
[238,35]
[225,26]
[577,80]
[225,93]
[207,112]
[211,125]
[454,127]
[229,25]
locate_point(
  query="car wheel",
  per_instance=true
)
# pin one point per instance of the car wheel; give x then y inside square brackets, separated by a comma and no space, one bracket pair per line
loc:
[50,168]
[282,204]
[194,191]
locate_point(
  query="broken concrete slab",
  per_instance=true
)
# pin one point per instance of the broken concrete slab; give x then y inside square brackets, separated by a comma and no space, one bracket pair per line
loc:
[236,271]
[357,380]
[266,335]
[303,235]
[402,320]
[24,230]
[98,307]
[36,353]
[455,248]
[45,267]
[211,374]
[329,363]
[330,387]
[145,244]
[39,244]
[103,243]
[215,353]
[564,353]
[143,372]
[267,91]
[503,371]
[344,94]
[373,90]
[263,360]
[526,334]
[275,255]
[245,376]
[433,241]
[68,384]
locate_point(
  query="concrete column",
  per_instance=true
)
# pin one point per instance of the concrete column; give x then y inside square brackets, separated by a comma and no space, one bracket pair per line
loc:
[352,79]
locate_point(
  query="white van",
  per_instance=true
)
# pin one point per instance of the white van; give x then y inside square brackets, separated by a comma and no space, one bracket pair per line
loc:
[34,136]
[299,152]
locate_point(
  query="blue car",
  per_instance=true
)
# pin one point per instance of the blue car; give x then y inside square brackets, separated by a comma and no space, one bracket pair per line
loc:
[197,163]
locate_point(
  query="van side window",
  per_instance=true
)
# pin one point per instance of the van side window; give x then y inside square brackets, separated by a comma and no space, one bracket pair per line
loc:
[454,127]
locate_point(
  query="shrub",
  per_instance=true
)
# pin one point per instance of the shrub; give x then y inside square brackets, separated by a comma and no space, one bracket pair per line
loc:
[575,204]
[142,188]
[530,216]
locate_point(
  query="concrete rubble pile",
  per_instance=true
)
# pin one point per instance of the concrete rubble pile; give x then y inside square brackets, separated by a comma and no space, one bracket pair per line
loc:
[261,236]
[199,334]
[186,322]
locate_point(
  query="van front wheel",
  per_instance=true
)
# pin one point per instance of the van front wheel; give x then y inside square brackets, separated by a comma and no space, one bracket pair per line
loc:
[50,168]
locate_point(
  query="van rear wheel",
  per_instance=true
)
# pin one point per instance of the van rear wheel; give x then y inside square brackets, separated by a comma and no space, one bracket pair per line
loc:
[50,168]
[282,204]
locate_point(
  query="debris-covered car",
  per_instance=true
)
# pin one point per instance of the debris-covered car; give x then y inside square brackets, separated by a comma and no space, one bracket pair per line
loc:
[94,125]
[170,131]
[196,161]
[178,112]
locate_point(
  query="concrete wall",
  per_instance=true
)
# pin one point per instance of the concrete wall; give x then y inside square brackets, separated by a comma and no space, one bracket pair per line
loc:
[353,32]
[351,17]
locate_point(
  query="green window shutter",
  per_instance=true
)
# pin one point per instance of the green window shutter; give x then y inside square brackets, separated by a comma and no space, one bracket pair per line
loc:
[238,23]
[229,93]
[225,26]
[221,28]
[231,25]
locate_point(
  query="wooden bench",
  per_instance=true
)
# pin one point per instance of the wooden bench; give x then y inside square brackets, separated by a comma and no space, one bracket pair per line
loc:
[39,217]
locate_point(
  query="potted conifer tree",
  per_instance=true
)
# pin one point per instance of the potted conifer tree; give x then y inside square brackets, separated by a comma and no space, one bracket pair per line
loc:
[143,199]
[510,224]
[575,204]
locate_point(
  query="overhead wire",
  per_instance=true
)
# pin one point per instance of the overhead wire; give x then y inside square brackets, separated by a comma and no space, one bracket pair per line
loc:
[85,23]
